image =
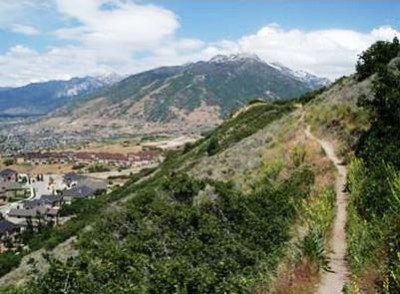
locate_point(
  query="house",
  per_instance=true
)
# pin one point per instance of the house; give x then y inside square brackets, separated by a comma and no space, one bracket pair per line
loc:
[51,201]
[39,158]
[97,185]
[83,157]
[81,192]
[34,215]
[8,175]
[71,179]
[10,189]
[8,233]
[115,159]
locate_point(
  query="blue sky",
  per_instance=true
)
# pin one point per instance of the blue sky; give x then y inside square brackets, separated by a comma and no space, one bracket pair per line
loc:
[202,19]
[58,39]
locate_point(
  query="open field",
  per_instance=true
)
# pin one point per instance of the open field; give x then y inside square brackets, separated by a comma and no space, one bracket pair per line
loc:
[39,169]
[115,147]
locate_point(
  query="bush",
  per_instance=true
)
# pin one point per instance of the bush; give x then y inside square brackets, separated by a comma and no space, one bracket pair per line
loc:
[213,146]
[375,57]
[8,161]
[8,261]
[98,168]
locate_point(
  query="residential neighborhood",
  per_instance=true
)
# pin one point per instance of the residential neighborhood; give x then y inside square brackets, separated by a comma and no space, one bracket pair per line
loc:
[28,202]
[138,159]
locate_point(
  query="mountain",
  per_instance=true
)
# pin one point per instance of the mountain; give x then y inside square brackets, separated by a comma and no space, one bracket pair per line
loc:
[196,93]
[41,98]
[311,80]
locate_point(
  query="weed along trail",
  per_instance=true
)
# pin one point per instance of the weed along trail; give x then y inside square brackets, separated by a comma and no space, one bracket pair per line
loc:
[333,282]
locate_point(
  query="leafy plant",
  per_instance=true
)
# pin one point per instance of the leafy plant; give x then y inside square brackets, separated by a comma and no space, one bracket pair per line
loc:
[313,247]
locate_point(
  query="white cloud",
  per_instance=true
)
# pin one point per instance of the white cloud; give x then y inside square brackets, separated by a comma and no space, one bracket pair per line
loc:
[329,53]
[125,28]
[24,29]
[128,37]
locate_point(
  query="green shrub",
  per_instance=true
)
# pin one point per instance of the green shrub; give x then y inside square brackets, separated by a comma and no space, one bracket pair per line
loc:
[375,57]
[8,161]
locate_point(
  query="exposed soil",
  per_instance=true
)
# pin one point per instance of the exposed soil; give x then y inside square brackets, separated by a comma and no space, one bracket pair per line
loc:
[333,282]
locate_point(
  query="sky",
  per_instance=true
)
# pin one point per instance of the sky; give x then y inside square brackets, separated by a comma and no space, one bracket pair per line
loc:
[44,40]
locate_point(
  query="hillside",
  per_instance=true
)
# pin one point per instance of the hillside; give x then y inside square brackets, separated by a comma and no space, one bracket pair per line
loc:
[251,207]
[41,98]
[195,94]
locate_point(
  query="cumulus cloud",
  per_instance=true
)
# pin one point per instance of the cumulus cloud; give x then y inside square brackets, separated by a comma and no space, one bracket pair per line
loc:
[128,37]
[117,26]
[330,53]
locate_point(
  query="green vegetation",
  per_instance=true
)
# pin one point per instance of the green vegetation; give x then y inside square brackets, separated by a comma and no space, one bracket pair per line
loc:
[376,57]
[8,161]
[373,226]
[245,124]
[184,236]
[233,130]
[8,261]
[98,168]
[172,233]
[85,211]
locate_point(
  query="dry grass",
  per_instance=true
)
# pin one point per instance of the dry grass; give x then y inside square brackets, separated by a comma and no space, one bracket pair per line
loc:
[40,169]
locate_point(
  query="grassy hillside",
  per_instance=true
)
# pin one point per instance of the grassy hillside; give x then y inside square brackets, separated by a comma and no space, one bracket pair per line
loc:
[178,232]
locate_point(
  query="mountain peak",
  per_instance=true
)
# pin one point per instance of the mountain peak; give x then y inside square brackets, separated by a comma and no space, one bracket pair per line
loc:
[109,77]
[235,57]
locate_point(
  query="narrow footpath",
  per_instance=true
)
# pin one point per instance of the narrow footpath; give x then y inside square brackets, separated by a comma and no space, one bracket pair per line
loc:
[333,282]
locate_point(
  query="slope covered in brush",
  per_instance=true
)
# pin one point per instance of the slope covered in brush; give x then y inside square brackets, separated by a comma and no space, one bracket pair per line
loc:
[175,231]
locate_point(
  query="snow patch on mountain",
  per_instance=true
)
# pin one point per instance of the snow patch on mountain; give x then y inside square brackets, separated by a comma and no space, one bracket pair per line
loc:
[80,86]
[234,58]
[312,80]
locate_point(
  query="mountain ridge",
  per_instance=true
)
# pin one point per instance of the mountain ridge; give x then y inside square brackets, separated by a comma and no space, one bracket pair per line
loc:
[43,97]
[199,93]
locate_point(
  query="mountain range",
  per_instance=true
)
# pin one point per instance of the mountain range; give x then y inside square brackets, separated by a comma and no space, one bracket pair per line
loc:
[194,94]
[41,98]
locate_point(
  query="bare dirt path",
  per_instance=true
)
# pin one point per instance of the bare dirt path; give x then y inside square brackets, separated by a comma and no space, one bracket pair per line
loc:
[333,282]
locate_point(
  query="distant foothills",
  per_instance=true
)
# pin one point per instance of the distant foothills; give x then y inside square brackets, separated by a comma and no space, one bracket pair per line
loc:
[200,93]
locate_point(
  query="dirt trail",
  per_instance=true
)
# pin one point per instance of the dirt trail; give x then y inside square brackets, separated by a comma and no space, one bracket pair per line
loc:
[333,282]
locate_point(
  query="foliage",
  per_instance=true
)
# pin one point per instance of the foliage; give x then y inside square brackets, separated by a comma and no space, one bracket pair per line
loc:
[309,96]
[98,167]
[86,211]
[8,161]
[213,146]
[162,240]
[386,100]
[8,261]
[313,246]
[162,243]
[244,124]
[375,57]
[374,222]
[298,155]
